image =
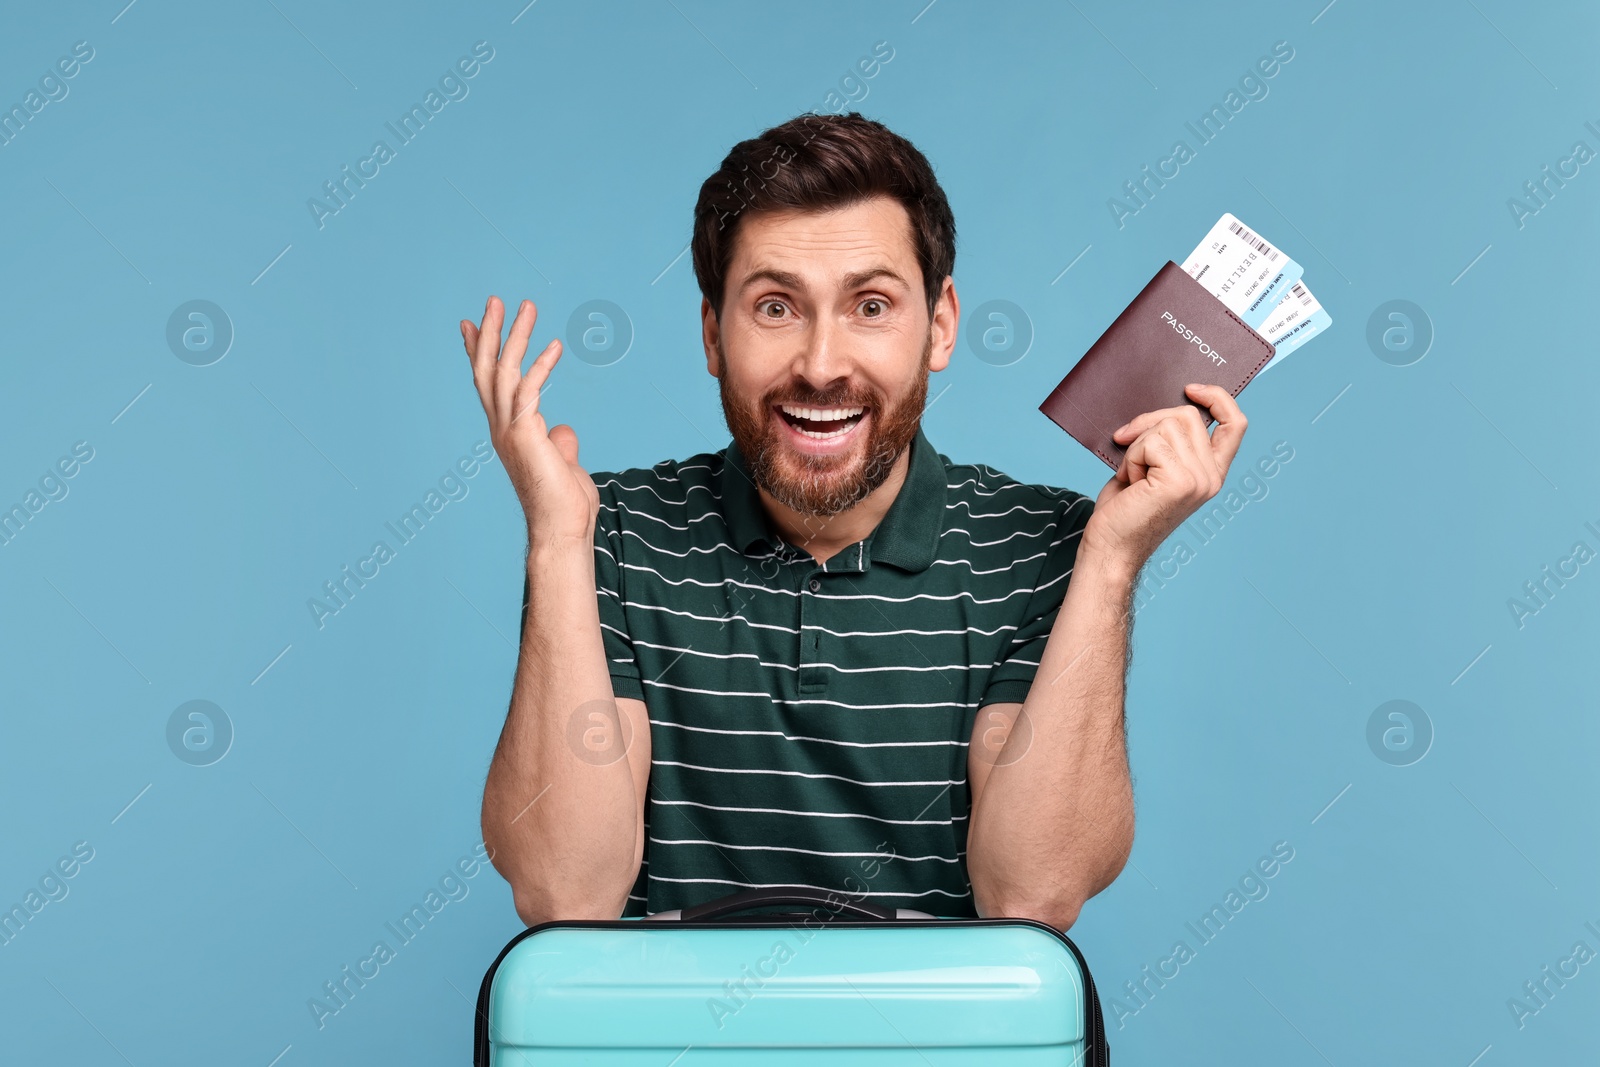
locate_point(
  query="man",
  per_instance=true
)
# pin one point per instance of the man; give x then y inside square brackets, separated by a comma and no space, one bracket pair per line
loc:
[825,655]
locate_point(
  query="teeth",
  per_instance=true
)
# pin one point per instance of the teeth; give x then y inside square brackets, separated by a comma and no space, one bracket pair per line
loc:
[820,414]
[820,436]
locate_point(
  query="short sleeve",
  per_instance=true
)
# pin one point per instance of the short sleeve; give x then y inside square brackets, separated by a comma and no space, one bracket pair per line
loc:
[609,594]
[1012,675]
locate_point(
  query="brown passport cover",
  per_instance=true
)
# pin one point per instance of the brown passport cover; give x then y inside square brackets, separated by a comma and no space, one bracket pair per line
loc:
[1142,362]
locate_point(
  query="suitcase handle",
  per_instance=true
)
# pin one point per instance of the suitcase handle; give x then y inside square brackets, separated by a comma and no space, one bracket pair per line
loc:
[755,898]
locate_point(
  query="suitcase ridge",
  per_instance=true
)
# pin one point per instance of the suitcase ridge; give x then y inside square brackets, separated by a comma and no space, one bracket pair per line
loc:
[1096,1047]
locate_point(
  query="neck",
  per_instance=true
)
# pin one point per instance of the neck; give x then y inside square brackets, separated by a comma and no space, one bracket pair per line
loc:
[823,536]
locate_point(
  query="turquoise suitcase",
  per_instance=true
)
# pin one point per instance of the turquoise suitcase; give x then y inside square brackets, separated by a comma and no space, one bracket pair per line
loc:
[845,983]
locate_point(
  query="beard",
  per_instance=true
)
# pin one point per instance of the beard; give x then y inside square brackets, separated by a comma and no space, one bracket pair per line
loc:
[823,486]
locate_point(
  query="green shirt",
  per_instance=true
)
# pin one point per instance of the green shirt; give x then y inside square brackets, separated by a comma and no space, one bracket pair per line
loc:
[809,722]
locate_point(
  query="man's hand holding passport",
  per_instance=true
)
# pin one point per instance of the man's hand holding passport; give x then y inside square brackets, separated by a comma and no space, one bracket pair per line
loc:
[1235,306]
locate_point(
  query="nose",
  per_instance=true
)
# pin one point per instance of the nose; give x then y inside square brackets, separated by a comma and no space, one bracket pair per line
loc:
[825,356]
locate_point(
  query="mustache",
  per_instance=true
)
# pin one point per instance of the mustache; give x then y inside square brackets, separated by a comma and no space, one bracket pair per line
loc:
[823,400]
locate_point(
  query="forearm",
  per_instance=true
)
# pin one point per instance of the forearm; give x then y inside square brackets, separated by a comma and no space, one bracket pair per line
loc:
[563,828]
[1055,821]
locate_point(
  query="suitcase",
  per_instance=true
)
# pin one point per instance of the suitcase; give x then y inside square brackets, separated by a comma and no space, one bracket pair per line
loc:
[845,982]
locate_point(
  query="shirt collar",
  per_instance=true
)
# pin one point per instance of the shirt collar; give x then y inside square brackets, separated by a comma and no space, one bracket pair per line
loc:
[907,536]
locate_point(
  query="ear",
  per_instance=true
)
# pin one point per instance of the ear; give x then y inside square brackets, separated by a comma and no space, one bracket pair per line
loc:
[944,328]
[710,330]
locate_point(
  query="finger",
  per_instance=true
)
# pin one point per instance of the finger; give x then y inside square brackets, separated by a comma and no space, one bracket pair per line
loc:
[1196,469]
[1231,423]
[1179,459]
[1194,445]
[469,338]
[484,351]
[1152,449]
[526,400]
[481,355]
[1130,470]
[1138,461]
[508,372]
[546,362]
[1140,423]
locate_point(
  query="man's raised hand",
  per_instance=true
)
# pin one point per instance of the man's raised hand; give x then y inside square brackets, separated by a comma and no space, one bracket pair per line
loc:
[558,496]
[1171,467]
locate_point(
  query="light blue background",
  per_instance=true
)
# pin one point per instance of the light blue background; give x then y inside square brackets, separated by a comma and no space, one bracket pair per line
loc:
[1378,567]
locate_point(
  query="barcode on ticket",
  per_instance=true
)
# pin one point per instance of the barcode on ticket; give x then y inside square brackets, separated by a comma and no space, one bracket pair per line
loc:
[1253,241]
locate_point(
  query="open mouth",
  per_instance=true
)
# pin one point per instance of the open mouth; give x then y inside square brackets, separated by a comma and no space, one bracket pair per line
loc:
[822,424]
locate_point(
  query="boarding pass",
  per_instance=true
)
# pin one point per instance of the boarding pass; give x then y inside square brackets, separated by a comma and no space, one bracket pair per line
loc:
[1242,269]
[1296,319]
[1258,282]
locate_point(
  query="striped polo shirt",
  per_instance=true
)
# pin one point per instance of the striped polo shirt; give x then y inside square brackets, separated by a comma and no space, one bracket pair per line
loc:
[809,722]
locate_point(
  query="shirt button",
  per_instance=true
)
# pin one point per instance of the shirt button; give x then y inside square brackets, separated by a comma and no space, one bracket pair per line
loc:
[815,584]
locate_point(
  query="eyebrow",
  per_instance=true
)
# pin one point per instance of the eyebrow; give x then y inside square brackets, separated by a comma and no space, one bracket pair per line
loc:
[790,280]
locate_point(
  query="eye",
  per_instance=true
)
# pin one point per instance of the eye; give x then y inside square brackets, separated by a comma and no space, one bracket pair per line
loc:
[878,305]
[772,304]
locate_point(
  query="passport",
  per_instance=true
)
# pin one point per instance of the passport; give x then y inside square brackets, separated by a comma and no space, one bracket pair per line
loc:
[1173,333]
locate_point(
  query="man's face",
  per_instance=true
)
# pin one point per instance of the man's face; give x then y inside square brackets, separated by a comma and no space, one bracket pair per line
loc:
[823,350]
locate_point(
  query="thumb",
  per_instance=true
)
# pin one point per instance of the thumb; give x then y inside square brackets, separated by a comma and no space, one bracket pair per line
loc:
[565,438]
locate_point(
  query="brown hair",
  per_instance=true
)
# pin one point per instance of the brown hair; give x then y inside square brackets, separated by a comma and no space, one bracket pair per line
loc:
[818,162]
